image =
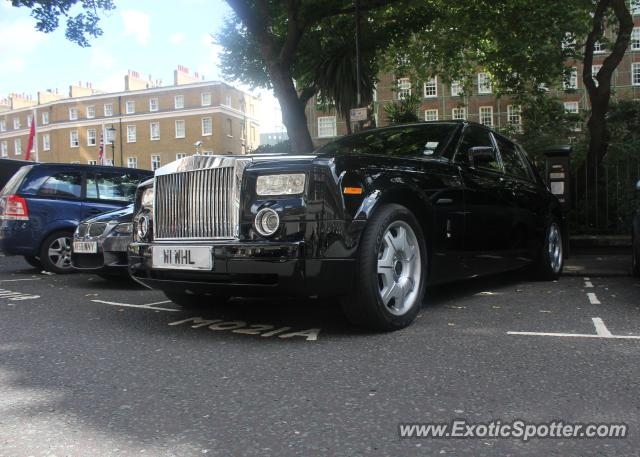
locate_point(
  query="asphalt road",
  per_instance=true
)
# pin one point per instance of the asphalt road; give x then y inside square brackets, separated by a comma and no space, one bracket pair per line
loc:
[96,368]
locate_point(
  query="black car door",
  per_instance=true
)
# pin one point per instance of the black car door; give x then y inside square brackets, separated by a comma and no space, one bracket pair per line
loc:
[488,214]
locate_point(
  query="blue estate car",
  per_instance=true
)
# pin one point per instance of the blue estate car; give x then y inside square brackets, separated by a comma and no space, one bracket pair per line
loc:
[42,204]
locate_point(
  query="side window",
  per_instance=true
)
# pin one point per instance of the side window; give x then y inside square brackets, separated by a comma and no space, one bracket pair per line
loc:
[477,137]
[62,185]
[112,186]
[513,164]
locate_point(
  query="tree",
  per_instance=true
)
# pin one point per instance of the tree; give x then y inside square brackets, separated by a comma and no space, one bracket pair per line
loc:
[404,111]
[79,27]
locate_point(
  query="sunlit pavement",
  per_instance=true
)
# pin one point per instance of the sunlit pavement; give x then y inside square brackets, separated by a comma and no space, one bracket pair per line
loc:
[90,367]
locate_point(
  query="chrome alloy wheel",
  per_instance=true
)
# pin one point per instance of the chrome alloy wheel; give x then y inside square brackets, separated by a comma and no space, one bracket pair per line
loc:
[399,268]
[555,248]
[60,252]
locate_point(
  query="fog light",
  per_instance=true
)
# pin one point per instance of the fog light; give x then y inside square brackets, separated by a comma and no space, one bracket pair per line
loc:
[267,222]
[143,227]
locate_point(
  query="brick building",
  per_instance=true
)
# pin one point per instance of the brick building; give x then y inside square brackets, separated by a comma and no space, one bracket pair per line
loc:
[441,101]
[145,126]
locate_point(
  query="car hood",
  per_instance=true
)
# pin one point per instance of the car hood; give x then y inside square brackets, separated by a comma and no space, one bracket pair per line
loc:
[119,215]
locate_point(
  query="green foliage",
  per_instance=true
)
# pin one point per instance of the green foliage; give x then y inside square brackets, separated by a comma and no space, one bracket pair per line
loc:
[284,147]
[79,28]
[405,110]
[624,128]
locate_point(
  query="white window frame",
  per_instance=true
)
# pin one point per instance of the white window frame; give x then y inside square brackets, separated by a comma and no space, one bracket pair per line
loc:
[156,126]
[430,89]
[514,116]
[635,39]
[3,125]
[456,88]
[594,72]
[16,123]
[45,117]
[635,74]
[93,136]
[485,111]
[598,48]
[571,107]
[29,120]
[155,158]
[4,149]
[229,128]
[573,80]
[228,101]
[205,99]
[132,133]
[17,146]
[427,116]
[154,104]
[184,128]
[130,107]
[177,105]
[74,139]
[457,112]
[132,162]
[484,83]
[91,111]
[73,114]
[208,121]
[404,88]
[329,129]
[108,109]
[46,142]
[181,155]
[634,7]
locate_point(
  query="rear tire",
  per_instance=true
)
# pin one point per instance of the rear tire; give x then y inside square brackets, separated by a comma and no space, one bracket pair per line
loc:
[190,301]
[391,271]
[33,261]
[550,260]
[55,253]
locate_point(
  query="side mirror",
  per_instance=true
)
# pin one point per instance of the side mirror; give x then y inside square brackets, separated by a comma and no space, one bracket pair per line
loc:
[479,155]
[638,185]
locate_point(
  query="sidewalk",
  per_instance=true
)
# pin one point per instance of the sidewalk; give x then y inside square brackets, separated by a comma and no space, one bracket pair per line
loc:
[597,264]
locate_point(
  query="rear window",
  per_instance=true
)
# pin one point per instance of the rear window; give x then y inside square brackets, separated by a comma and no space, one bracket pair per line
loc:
[62,185]
[14,183]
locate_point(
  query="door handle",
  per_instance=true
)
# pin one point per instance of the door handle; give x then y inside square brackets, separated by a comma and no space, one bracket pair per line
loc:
[444,201]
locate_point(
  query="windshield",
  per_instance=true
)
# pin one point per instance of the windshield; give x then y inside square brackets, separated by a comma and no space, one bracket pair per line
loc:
[408,141]
[14,183]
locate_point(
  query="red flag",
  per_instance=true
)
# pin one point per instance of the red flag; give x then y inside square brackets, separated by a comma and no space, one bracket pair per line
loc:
[32,135]
[101,152]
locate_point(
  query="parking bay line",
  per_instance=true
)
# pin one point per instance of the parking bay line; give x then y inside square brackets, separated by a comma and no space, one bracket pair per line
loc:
[593,299]
[26,279]
[601,332]
[147,306]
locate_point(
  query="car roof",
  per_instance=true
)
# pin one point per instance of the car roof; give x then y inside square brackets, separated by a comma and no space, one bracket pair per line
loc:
[81,166]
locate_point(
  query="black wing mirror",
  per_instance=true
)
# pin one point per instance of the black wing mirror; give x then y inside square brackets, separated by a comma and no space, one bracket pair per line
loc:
[481,155]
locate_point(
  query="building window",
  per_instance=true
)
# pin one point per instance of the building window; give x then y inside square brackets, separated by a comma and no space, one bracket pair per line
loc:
[594,72]
[635,39]
[74,142]
[404,88]
[205,98]
[154,128]
[153,104]
[29,120]
[431,115]
[111,135]
[180,155]
[155,162]
[459,113]
[45,117]
[130,106]
[4,150]
[17,146]
[431,87]
[131,133]
[132,162]
[228,101]
[635,74]
[16,123]
[514,116]
[571,107]
[484,83]
[91,112]
[92,162]
[3,126]
[91,137]
[46,142]
[572,83]
[229,128]
[634,7]
[598,48]
[207,126]
[73,114]
[456,88]
[486,115]
[327,127]
[108,109]
[178,101]
[180,129]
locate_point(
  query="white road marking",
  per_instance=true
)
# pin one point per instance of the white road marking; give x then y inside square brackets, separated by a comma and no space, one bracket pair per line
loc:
[128,305]
[27,279]
[587,279]
[158,303]
[588,284]
[251,329]
[601,329]
[593,299]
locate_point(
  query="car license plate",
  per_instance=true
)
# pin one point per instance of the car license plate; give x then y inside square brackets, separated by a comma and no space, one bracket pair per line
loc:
[182,258]
[85,247]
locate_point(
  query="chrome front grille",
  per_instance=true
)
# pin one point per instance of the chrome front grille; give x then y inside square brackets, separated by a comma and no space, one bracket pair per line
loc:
[197,204]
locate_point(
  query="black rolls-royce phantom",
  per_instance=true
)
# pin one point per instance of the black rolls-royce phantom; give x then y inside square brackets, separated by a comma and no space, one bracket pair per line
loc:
[371,218]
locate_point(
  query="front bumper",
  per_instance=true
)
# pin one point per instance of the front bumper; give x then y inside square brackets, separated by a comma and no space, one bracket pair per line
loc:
[249,269]
[111,255]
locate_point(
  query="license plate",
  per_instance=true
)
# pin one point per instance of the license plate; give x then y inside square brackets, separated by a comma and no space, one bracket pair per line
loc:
[182,258]
[85,247]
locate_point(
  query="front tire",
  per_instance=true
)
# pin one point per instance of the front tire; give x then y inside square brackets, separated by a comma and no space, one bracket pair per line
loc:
[191,301]
[550,260]
[391,271]
[55,253]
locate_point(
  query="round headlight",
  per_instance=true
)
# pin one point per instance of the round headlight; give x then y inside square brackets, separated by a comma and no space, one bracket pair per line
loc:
[143,227]
[267,222]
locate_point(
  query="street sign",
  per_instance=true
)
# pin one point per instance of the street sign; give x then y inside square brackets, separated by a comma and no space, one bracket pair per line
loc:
[358,114]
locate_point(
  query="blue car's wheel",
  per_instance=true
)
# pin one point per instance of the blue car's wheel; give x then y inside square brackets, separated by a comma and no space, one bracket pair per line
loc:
[55,253]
